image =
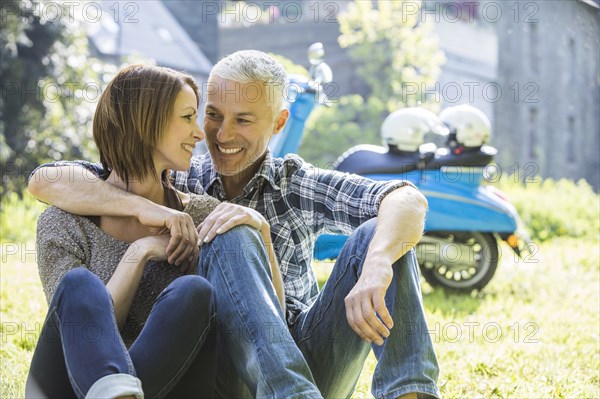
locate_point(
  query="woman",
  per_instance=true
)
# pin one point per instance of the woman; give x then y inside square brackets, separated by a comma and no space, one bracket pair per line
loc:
[121,321]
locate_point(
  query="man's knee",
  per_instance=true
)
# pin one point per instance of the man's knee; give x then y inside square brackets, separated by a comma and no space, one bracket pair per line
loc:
[239,245]
[238,235]
[367,227]
[358,242]
[408,260]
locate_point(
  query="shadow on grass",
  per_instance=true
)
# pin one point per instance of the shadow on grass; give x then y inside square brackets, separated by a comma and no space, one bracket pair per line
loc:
[450,303]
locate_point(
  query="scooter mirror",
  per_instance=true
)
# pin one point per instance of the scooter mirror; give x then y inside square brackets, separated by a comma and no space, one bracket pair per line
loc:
[316,53]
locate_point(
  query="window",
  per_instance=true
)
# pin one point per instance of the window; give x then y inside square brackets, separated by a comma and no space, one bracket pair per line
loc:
[572,138]
[572,61]
[533,118]
[534,59]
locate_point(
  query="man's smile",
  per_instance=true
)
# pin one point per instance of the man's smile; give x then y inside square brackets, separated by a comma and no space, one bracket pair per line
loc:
[232,150]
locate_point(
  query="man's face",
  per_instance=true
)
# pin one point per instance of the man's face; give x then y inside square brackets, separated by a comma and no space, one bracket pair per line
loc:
[238,123]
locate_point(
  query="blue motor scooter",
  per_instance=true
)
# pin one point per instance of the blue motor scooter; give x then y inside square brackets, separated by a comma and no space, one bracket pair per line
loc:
[466,219]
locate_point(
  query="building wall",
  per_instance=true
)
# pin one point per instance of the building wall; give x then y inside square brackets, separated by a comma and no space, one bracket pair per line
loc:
[551,125]
[292,40]
[200,21]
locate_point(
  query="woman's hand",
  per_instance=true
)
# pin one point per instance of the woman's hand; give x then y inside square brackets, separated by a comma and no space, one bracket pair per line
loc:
[226,216]
[153,248]
[183,244]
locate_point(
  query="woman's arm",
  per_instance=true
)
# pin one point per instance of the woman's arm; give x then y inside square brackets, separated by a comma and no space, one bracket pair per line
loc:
[127,276]
[79,191]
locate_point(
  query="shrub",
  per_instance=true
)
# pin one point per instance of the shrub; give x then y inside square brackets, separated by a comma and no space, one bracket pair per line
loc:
[550,208]
[18,217]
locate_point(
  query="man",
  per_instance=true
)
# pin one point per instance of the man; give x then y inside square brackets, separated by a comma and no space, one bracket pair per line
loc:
[372,298]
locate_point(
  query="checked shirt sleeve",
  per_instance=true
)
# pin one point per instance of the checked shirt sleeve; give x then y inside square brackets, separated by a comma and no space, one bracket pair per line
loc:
[95,168]
[340,201]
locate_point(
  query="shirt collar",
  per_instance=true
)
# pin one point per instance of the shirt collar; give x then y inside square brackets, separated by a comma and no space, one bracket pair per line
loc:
[266,172]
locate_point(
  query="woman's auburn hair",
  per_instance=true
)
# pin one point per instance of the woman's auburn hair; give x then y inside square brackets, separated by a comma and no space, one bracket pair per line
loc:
[132,116]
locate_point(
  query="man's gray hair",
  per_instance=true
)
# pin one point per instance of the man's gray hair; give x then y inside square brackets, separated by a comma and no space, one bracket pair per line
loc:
[249,66]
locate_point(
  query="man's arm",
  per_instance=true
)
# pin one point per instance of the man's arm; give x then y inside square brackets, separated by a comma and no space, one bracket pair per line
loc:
[77,190]
[400,224]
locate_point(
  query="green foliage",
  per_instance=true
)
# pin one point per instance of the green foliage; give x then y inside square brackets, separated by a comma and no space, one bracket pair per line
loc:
[397,57]
[49,86]
[18,218]
[552,209]
[394,50]
[332,130]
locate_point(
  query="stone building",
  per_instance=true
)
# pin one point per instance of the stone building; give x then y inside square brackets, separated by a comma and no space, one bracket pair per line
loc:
[548,117]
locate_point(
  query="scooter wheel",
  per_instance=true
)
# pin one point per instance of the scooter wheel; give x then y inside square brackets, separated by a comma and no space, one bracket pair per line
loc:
[458,261]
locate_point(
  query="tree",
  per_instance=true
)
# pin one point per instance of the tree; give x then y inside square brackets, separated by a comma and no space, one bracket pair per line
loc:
[49,86]
[398,57]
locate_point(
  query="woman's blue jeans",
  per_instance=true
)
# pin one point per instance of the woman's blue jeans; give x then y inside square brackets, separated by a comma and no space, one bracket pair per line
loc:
[174,355]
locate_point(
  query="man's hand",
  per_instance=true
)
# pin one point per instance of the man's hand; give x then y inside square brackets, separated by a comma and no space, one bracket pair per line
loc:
[366,312]
[226,216]
[400,224]
[183,245]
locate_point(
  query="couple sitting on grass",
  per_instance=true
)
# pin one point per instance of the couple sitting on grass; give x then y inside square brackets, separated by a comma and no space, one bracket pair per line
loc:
[190,277]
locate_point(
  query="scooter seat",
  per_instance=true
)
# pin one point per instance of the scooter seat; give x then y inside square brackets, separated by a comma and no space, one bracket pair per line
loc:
[371,159]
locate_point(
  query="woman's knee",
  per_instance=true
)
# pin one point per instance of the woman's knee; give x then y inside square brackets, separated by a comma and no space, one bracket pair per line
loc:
[80,280]
[81,292]
[193,290]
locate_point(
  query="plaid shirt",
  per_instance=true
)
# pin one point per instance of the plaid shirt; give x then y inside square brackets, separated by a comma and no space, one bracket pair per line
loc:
[300,202]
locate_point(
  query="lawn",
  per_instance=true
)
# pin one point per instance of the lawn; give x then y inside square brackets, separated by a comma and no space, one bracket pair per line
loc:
[534,332]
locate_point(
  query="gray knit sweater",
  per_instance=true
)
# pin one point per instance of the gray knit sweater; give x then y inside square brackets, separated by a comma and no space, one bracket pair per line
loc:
[66,241]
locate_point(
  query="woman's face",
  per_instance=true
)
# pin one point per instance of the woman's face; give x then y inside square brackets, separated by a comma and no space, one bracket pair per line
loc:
[174,150]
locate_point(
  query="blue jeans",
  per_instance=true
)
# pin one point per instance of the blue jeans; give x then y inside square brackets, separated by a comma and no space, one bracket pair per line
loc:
[80,351]
[334,353]
[257,355]
[406,362]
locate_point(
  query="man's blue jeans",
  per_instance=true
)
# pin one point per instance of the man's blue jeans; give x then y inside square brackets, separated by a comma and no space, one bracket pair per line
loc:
[254,342]
[80,351]
[260,358]
[406,362]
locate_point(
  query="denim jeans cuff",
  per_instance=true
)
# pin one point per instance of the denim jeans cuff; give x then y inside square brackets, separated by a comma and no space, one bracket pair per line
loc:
[116,385]
[422,391]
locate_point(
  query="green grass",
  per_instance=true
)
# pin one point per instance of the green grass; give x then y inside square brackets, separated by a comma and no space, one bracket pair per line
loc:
[546,311]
